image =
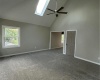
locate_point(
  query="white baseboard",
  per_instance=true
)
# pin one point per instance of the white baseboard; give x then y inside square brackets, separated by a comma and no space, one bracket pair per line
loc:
[23,53]
[45,50]
[87,60]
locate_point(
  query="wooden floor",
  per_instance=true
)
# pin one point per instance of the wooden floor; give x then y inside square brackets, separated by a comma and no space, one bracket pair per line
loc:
[47,65]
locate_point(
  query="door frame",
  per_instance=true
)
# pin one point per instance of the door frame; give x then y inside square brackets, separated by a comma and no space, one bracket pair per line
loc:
[75,41]
[64,40]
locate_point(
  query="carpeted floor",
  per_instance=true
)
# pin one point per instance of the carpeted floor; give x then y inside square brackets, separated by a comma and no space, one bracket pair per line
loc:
[47,65]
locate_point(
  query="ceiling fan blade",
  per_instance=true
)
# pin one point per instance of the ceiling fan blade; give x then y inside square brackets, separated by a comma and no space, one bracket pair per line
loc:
[63,12]
[50,10]
[56,15]
[60,9]
[50,13]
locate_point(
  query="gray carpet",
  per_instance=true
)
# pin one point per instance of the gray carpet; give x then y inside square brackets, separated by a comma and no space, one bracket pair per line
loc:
[47,65]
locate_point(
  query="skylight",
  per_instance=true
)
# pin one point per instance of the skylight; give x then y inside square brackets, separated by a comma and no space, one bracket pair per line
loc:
[41,7]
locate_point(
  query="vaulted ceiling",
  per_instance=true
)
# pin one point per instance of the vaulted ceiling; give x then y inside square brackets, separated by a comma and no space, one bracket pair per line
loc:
[23,11]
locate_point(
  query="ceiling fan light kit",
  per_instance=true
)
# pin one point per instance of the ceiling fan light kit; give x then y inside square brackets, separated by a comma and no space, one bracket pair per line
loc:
[56,12]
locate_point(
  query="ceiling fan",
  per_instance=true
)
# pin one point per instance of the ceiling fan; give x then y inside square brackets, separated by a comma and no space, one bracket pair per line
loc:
[56,12]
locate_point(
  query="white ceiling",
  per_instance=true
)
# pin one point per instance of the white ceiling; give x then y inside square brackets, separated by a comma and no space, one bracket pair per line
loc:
[23,11]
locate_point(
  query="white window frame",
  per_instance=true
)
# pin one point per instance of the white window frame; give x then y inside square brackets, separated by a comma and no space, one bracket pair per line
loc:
[3,36]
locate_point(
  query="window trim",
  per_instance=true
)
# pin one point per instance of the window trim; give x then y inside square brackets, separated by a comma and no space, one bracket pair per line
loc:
[3,35]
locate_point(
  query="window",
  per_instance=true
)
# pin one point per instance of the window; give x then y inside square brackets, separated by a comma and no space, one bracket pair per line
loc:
[10,37]
[62,38]
[41,7]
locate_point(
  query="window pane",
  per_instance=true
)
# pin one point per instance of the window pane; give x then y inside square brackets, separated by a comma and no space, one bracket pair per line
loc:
[11,37]
[11,41]
[10,32]
[62,38]
[41,7]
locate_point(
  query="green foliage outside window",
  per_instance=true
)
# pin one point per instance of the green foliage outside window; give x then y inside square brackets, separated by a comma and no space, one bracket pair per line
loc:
[11,35]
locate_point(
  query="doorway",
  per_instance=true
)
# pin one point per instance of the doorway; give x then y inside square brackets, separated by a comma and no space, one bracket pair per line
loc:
[70,42]
[57,40]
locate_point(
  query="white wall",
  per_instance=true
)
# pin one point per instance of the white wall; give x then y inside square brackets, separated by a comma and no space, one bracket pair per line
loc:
[83,16]
[33,37]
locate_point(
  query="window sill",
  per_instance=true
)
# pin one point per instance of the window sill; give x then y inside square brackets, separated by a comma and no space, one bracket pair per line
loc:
[10,47]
